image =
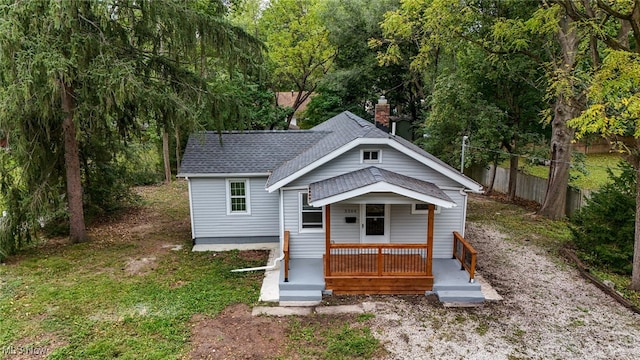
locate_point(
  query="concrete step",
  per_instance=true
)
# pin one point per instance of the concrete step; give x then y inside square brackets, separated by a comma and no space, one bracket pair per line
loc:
[457,296]
[300,286]
[457,287]
[300,295]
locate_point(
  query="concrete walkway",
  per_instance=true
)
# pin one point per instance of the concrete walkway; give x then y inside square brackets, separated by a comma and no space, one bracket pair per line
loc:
[269,292]
[365,307]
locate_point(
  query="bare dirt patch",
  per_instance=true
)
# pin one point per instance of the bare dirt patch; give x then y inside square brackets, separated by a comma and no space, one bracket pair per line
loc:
[140,266]
[235,334]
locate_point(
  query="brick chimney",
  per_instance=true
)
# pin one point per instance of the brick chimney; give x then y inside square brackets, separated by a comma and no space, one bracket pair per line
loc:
[382,112]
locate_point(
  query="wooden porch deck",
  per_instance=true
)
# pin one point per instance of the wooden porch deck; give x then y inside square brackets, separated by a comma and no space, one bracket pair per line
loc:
[378,273]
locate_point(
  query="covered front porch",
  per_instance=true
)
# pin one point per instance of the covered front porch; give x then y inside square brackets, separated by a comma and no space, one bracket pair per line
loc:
[306,282]
[381,269]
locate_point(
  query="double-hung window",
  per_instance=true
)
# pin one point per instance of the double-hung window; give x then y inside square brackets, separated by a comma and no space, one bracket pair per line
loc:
[310,217]
[238,196]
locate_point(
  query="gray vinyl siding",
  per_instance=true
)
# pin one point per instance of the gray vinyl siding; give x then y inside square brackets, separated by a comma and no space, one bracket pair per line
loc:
[405,227]
[412,228]
[303,244]
[341,231]
[210,219]
[392,160]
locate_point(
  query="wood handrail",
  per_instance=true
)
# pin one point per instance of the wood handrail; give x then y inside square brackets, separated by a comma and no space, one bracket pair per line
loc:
[285,251]
[378,260]
[461,255]
[375,246]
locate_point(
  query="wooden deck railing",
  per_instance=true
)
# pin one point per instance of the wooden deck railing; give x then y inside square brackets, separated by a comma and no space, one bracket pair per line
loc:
[378,260]
[465,253]
[285,251]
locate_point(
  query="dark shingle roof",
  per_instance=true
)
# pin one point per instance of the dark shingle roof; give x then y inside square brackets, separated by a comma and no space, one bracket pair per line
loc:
[283,153]
[369,176]
[342,129]
[243,152]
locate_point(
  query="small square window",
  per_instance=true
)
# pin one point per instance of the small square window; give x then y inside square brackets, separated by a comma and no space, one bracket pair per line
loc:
[371,156]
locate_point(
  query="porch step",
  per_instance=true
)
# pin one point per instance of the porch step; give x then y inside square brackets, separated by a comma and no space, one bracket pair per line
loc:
[300,295]
[300,286]
[458,296]
[463,286]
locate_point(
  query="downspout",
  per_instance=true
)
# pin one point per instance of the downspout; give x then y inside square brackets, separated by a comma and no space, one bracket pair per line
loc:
[279,258]
[465,196]
[193,228]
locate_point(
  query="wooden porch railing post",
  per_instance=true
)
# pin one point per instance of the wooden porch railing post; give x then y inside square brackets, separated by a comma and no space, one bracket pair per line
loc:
[466,248]
[380,261]
[430,218]
[327,239]
[285,250]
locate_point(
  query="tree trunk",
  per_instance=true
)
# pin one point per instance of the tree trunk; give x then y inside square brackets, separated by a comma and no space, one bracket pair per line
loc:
[635,272]
[177,149]
[77,231]
[567,107]
[513,176]
[165,155]
[555,199]
[492,178]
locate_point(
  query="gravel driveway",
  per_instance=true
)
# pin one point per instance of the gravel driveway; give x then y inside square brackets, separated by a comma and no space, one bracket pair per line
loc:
[548,312]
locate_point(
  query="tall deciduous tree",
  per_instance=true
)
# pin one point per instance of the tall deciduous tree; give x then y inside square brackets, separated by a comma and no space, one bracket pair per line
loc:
[497,83]
[98,67]
[614,93]
[300,53]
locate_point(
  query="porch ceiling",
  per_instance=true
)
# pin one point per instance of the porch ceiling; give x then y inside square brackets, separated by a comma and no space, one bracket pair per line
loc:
[375,180]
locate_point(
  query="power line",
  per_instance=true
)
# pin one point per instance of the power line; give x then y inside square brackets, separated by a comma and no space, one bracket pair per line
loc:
[534,158]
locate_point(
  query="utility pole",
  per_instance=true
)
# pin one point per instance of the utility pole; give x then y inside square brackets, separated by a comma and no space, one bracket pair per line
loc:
[464,141]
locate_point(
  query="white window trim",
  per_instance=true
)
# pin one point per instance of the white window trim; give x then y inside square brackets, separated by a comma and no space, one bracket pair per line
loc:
[247,190]
[415,211]
[307,230]
[363,161]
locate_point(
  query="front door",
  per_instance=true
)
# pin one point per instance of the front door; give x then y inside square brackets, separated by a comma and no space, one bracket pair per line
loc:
[374,223]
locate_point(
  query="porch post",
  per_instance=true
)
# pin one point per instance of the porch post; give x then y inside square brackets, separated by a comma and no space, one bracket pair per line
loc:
[430,218]
[327,240]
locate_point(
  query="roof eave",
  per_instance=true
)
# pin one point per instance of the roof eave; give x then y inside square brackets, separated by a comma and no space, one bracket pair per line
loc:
[221,175]
[380,187]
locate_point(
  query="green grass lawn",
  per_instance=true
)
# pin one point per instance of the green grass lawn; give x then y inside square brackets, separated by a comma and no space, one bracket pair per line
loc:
[595,164]
[82,301]
[124,294]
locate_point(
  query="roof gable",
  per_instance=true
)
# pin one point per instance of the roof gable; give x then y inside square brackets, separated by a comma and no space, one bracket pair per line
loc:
[346,131]
[373,179]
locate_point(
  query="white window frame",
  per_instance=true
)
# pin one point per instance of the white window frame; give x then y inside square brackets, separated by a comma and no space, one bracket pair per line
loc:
[377,161]
[415,211]
[300,211]
[247,196]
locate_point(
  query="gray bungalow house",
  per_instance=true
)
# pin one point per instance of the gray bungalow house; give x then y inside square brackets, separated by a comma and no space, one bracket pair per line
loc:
[353,208]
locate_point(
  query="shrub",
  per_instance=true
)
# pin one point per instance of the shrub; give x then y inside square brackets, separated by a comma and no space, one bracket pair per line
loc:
[603,230]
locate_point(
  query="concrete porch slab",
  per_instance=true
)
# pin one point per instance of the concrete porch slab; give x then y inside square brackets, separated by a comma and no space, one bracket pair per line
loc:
[490,294]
